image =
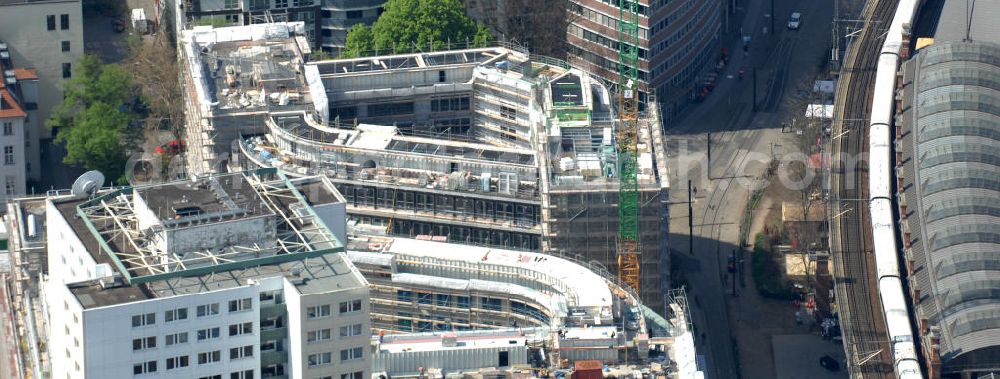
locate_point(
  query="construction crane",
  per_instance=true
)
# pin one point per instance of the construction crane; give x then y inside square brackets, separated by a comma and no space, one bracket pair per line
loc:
[627,135]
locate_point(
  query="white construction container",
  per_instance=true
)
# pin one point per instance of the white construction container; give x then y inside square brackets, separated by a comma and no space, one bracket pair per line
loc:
[139,22]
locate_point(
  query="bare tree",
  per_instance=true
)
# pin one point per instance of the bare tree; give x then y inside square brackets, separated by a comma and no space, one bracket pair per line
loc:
[155,72]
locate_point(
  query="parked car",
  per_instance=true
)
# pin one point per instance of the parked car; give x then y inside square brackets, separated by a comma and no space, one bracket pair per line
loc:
[829,363]
[794,21]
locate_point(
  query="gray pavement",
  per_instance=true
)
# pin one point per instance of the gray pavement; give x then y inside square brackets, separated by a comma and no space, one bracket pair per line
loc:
[797,357]
[731,331]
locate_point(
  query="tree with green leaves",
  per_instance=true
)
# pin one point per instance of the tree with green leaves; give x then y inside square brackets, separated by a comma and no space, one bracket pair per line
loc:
[94,117]
[417,25]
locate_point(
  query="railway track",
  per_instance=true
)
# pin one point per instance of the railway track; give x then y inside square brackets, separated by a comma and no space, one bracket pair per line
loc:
[859,305]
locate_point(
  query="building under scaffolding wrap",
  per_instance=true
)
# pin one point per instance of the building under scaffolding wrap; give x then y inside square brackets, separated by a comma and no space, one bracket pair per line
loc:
[262,272]
[490,146]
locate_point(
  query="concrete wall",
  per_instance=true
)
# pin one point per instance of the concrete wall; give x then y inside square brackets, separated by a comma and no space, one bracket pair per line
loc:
[300,325]
[144,214]
[243,232]
[23,27]
[68,259]
[293,305]
[66,331]
[400,80]
[334,215]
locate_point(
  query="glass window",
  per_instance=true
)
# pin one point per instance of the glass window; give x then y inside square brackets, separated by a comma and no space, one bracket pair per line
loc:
[209,357]
[351,354]
[319,359]
[143,343]
[350,331]
[318,311]
[175,314]
[177,362]
[8,155]
[207,334]
[64,21]
[208,310]
[350,306]
[240,305]
[144,367]
[143,319]
[241,352]
[177,338]
[240,329]
[318,335]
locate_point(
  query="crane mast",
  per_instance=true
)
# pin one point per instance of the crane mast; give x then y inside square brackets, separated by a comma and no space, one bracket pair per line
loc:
[627,135]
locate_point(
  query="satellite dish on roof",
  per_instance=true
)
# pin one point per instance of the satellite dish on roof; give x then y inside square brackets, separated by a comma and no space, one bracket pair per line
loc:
[88,183]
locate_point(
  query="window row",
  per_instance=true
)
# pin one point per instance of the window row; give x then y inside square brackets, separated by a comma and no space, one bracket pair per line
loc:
[322,359]
[201,335]
[50,22]
[327,334]
[200,311]
[182,361]
[321,311]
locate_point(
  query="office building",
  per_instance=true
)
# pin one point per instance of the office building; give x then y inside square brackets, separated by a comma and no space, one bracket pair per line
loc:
[678,39]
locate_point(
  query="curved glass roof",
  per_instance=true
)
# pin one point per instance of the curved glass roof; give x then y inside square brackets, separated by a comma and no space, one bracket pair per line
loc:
[956,109]
[972,124]
[965,262]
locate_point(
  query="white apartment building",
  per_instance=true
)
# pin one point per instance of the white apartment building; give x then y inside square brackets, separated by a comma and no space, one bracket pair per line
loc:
[230,276]
[18,113]
[46,36]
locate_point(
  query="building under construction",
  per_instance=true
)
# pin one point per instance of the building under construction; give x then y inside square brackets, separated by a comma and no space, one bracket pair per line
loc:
[489,146]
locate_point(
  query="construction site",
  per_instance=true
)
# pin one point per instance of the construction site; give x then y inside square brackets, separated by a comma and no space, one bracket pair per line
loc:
[491,147]
[278,251]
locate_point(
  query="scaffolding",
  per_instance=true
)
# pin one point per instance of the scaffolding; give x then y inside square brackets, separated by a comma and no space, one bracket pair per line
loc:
[141,254]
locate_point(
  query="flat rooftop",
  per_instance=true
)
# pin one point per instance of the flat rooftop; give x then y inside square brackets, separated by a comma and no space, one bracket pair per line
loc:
[587,287]
[308,251]
[203,200]
[388,138]
[403,343]
[404,61]
[330,272]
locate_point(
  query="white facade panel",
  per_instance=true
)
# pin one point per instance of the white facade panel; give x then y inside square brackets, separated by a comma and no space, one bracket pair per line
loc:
[109,335]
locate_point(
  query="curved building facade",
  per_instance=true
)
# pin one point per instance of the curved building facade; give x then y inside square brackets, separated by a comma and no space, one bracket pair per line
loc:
[677,37]
[950,190]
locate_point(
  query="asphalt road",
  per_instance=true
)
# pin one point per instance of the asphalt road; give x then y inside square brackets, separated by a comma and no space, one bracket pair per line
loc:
[742,141]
